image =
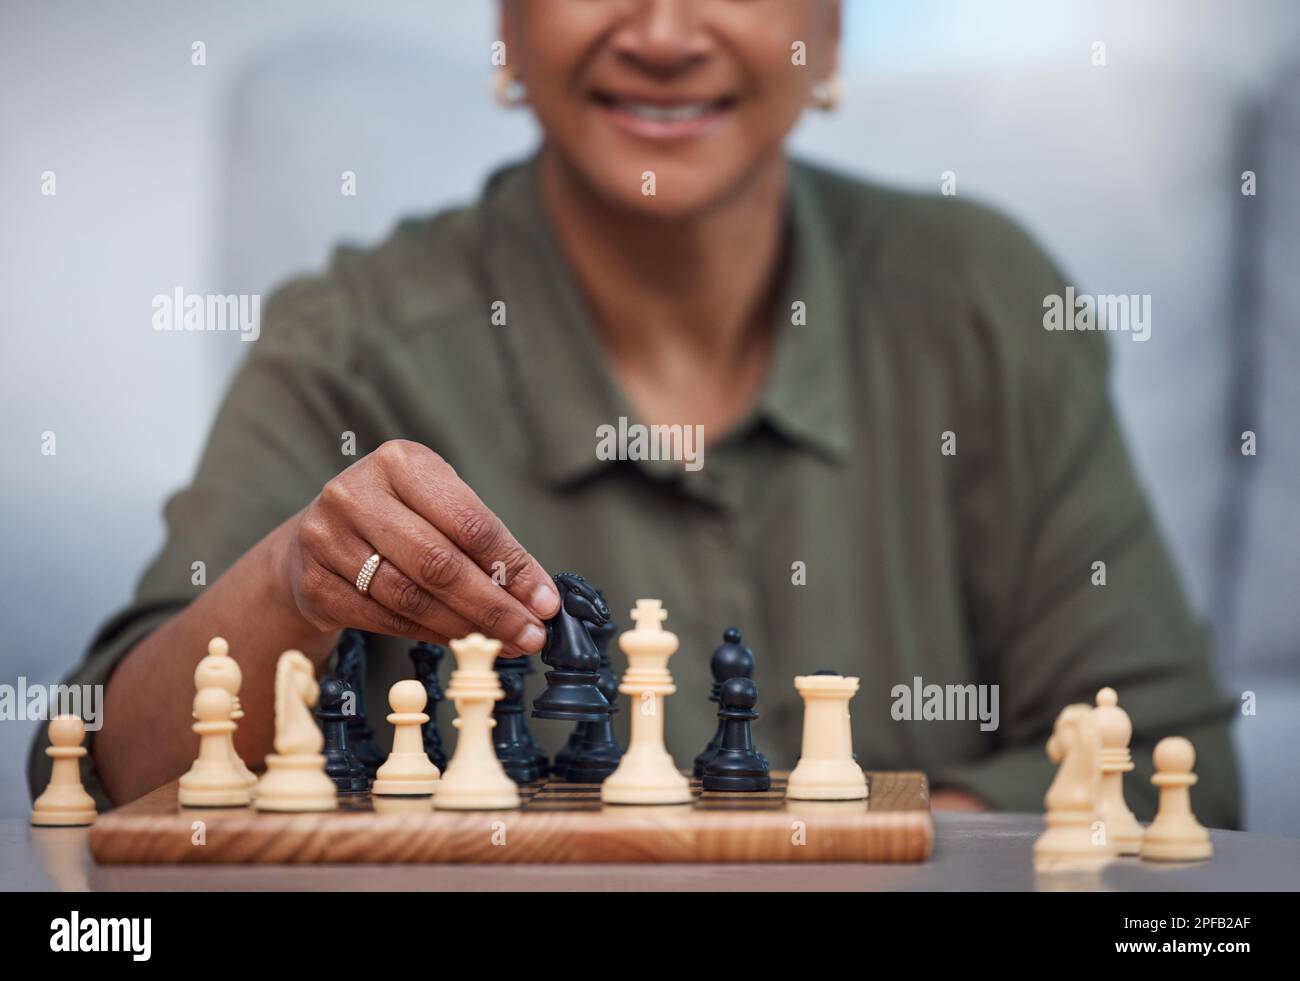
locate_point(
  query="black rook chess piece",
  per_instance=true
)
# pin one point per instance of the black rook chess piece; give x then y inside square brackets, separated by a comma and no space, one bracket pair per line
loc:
[571,693]
[731,659]
[426,658]
[350,667]
[332,712]
[737,765]
[514,745]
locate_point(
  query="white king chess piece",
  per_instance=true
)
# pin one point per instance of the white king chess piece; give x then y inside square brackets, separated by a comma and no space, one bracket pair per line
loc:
[826,768]
[647,773]
[475,779]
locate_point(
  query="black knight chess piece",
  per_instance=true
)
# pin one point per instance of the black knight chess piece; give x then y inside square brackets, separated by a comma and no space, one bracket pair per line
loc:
[601,635]
[731,659]
[426,658]
[350,667]
[333,712]
[514,745]
[571,693]
[736,765]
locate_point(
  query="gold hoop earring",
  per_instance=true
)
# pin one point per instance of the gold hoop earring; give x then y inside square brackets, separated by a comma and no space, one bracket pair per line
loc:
[826,94]
[508,91]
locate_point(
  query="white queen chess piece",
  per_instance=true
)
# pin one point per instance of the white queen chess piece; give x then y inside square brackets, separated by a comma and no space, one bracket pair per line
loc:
[295,778]
[475,779]
[647,773]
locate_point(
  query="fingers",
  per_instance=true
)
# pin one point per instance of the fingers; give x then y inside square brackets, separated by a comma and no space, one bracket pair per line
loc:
[429,486]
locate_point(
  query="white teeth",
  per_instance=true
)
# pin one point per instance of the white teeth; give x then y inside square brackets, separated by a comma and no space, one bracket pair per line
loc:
[666,114]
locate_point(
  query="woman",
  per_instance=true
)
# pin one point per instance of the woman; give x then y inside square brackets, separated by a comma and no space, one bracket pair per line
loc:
[904,477]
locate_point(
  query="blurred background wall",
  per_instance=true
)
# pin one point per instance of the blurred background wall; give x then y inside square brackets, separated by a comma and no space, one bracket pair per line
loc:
[225,178]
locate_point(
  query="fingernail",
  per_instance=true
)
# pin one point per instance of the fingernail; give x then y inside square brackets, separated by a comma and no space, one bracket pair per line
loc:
[532,638]
[545,600]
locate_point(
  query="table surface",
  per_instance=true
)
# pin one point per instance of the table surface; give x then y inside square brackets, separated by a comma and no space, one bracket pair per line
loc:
[976,852]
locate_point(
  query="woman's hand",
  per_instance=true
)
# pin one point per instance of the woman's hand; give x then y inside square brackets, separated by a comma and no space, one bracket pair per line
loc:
[446,557]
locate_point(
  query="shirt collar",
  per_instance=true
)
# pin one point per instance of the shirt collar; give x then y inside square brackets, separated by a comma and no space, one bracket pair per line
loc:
[564,384]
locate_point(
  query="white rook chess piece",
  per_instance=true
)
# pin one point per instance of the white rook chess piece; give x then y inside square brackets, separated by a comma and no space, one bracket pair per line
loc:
[1175,835]
[1075,838]
[221,670]
[647,773]
[295,778]
[408,771]
[1116,760]
[65,802]
[475,779]
[826,768]
[214,780]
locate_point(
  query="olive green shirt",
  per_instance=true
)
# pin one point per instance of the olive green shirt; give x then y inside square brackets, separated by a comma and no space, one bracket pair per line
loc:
[920,492]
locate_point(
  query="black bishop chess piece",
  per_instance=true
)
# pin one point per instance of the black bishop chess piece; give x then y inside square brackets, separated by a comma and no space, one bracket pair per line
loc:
[731,659]
[601,635]
[333,711]
[736,765]
[572,693]
[350,667]
[426,659]
[514,745]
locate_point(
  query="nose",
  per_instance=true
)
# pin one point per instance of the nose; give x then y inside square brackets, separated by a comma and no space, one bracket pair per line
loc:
[663,36]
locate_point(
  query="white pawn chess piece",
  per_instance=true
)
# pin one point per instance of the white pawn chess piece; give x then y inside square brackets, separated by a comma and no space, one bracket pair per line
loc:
[214,780]
[647,774]
[1175,835]
[1116,760]
[475,779]
[826,768]
[221,670]
[65,802]
[1075,839]
[295,778]
[408,771]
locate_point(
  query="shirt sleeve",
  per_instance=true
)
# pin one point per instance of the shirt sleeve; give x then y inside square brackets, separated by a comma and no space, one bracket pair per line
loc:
[1071,584]
[279,436]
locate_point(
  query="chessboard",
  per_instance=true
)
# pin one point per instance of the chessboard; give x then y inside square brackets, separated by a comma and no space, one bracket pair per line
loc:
[558,823]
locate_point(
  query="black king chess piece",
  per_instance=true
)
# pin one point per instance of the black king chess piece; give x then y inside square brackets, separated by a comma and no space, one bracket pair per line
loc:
[514,745]
[731,659]
[426,658]
[350,667]
[571,693]
[737,765]
[333,712]
[601,636]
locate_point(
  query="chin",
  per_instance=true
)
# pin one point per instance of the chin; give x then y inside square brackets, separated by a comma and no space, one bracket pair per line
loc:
[682,189]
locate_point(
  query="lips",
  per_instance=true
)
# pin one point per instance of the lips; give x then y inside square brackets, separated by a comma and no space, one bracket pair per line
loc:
[665,118]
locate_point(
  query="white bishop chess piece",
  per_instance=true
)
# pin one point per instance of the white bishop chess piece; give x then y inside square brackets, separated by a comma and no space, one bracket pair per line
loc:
[1175,835]
[1076,839]
[647,774]
[475,779]
[221,670]
[1116,760]
[218,777]
[408,771]
[826,768]
[295,778]
[65,802]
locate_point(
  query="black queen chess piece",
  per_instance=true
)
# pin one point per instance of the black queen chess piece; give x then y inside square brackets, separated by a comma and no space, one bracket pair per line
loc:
[737,766]
[333,710]
[350,668]
[514,745]
[426,658]
[572,693]
[731,659]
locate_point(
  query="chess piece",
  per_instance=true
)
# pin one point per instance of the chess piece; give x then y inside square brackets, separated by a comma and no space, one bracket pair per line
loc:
[337,704]
[214,780]
[65,802]
[601,635]
[827,769]
[1116,760]
[221,670]
[1175,835]
[736,765]
[295,777]
[475,779]
[408,771]
[510,738]
[350,666]
[571,692]
[597,752]
[426,658]
[1075,839]
[731,659]
[647,773]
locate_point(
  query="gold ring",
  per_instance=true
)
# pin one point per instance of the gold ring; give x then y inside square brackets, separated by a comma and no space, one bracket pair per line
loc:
[367,573]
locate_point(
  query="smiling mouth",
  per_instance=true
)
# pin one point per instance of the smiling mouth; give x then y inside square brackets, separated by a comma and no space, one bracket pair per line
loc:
[665,118]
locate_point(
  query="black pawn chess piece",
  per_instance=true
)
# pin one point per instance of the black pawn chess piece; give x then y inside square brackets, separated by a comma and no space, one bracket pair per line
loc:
[510,738]
[731,659]
[597,753]
[350,667]
[333,712]
[426,658]
[601,635]
[572,693]
[737,765]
